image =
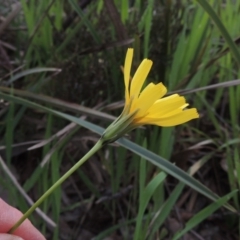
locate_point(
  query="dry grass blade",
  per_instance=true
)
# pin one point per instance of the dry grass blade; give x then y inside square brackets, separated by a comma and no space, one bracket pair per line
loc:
[54,137]
[60,103]
[65,130]
[10,17]
[116,19]
[231,83]
[19,147]
[213,86]
[107,46]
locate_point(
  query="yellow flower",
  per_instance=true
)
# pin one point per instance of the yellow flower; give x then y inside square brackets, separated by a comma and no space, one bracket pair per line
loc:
[148,104]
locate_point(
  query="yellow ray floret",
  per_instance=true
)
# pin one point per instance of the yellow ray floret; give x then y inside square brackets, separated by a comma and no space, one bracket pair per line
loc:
[148,104]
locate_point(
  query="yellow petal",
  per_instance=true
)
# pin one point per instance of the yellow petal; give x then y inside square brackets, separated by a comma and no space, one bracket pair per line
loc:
[166,105]
[139,77]
[127,69]
[184,116]
[148,97]
[175,111]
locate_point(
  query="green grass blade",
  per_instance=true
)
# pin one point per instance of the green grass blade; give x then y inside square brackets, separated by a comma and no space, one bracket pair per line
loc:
[167,207]
[207,7]
[30,71]
[86,21]
[124,10]
[203,214]
[145,195]
[171,169]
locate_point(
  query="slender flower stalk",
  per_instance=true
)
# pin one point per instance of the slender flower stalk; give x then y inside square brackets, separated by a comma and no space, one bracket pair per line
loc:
[142,106]
[94,149]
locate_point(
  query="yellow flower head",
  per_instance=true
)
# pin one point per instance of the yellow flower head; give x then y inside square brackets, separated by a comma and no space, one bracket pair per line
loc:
[147,106]
[148,103]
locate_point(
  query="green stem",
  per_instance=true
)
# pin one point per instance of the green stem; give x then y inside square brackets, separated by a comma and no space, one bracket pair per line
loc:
[94,149]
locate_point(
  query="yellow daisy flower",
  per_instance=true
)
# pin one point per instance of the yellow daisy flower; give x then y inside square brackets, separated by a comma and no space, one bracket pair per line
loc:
[147,106]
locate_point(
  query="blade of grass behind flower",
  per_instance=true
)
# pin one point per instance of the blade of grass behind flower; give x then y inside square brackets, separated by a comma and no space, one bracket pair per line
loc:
[57,11]
[84,18]
[38,24]
[74,30]
[160,162]
[171,169]
[8,137]
[203,214]
[234,114]
[45,25]
[166,141]
[161,142]
[44,182]
[234,153]
[28,72]
[189,46]
[231,172]
[99,6]
[54,102]
[145,25]
[145,194]
[71,32]
[154,141]
[28,14]
[113,14]
[124,10]
[86,181]
[117,169]
[225,84]
[56,196]
[212,14]
[50,175]
[194,41]
[231,127]
[163,212]
[211,114]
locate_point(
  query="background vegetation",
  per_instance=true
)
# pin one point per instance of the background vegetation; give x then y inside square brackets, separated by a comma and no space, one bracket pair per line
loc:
[60,71]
